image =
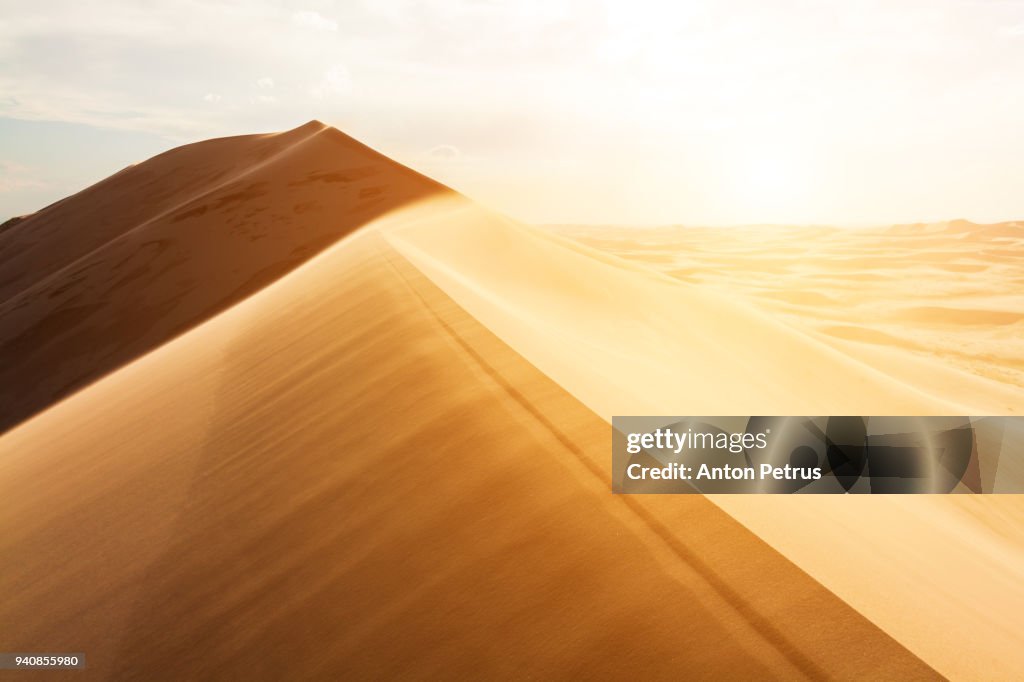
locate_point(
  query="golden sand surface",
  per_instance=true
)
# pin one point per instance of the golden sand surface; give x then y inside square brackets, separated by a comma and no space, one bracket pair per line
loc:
[950,291]
[944,575]
[347,475]
[357,426]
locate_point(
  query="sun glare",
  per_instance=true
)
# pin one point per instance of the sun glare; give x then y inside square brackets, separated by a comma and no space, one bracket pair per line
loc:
[774,186]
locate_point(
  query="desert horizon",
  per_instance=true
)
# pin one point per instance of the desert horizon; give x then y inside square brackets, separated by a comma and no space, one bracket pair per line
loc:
[920,224]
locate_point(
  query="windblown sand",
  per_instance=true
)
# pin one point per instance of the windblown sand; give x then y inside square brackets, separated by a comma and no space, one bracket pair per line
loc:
[393,460]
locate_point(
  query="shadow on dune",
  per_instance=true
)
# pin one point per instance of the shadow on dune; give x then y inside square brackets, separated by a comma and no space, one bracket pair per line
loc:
[106,275]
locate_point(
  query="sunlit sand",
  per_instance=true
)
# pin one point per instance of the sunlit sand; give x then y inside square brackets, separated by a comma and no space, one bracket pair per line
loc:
[357,424]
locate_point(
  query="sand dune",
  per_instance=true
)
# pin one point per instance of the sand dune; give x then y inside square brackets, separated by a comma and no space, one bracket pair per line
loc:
[393,460]
[347,475]
[937,289]
[167,243]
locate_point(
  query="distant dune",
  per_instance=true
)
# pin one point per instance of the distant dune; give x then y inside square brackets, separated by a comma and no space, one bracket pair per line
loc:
[948,291]
[346,423]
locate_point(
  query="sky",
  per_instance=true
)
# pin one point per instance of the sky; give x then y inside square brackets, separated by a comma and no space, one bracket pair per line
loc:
[597,112]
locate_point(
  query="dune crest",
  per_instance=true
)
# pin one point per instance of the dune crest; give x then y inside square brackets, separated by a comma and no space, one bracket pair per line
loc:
[167,243]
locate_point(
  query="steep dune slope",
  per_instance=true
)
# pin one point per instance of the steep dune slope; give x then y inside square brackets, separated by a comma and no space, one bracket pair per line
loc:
[346,475]
[127,264]
[944,575]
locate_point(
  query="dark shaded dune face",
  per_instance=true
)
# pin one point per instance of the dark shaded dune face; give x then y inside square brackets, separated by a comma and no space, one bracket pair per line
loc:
[57,235]
[118,269]
[11,222]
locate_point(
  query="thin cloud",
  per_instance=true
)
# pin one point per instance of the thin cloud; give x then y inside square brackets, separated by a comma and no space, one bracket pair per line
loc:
[314,21]
[604,86]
